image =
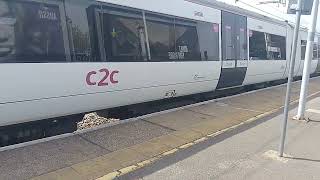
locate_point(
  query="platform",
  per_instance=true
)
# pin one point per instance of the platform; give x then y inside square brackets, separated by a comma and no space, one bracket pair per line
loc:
[116,150]
[249,154]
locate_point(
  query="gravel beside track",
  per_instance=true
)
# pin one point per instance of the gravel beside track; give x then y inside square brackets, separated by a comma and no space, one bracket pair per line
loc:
[93,120]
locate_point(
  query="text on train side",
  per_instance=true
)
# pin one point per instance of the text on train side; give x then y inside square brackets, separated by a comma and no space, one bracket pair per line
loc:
[108,77]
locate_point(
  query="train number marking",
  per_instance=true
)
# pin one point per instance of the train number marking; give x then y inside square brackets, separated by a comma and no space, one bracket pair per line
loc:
[170,94]
[106,79]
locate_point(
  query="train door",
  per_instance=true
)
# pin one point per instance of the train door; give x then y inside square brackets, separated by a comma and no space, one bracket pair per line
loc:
[234,50]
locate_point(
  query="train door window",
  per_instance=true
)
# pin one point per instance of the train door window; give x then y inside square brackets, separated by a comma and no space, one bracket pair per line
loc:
[31,32]
[257,45]
[234,36]
[208,41]
[242,38]
[303,49]
[124,35]
[228,43]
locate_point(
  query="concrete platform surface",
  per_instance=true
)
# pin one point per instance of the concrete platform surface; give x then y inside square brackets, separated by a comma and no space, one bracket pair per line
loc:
[249,155]
[119,149]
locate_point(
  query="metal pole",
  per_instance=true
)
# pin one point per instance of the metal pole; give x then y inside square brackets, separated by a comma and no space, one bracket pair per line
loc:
[307,62]
[290,77]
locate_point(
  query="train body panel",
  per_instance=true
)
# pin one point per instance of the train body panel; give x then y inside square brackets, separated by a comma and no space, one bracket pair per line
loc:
[272,70]
[313,67]
[59,91]
[260,68]
[290,31]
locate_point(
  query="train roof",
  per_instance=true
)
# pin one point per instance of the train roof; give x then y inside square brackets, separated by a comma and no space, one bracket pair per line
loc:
[235,9]
[241,11]
[211,4]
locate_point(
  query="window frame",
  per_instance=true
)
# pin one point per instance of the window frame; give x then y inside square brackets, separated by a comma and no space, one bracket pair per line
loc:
[123,14]
[215,47]
[250,36]
[181,20]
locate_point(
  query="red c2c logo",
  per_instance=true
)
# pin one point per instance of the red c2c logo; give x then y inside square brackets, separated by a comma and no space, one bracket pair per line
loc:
[107,77]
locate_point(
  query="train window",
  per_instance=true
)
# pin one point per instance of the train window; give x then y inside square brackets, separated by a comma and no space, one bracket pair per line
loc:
[31,32]
[264,46]
[186,40]
[257,45]
[81,23]
[208,41]
[276,47]
[161,37]
[303,49]
[124,35]
[171,39]
[315,51]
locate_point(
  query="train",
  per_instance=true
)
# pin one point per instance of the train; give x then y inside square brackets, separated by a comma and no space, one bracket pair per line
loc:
[64,58]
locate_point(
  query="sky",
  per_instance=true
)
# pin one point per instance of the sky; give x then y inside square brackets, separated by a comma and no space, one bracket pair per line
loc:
[272,10]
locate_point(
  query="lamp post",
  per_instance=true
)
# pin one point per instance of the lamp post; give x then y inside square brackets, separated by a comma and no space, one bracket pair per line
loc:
[290,77]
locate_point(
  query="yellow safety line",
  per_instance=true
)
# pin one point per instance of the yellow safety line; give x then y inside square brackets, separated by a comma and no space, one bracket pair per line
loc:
[144,163]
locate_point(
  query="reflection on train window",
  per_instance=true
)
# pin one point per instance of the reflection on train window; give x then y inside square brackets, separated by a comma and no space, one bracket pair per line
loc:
[30,32]
[257,46]
[186,40]
[265,46]
[81,23]
[208,41]
[303,49]
[172,39]
[276,47]
[124,37]
[228,43]
[161,37]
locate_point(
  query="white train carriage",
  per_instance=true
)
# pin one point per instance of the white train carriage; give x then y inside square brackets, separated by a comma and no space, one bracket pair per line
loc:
[64,57]
[267,51]
[301,52]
